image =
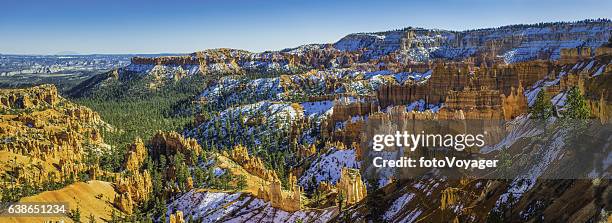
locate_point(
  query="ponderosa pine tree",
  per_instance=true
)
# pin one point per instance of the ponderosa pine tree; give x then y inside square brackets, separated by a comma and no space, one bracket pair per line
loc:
[542,108]
[576,106]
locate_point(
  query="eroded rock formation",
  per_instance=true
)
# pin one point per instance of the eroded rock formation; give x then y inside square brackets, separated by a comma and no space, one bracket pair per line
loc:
[271,189]
[135,156]
[286,200]
[447,77]
[46,134]
[171,143]
[133,186]
[177,217]
[351,186]
[252,164]
[485,101]
[573,55]
[29,98]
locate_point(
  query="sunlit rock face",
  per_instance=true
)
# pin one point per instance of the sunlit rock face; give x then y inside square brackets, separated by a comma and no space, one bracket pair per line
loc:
[251,164]
[30,98]
[50,131]
[351,186]
[171,143]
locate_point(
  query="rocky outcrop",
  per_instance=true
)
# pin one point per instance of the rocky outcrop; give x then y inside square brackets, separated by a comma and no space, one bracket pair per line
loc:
[177,217]
[483,100]
[351,186]
[573,55]
[171,143]
[50,131]
[602,51]
[131,190]
[347,112]
[286,200]
[448,77]
[166,60]
[514,43]
[225,60]
[344,109]
[325,187]
[124,202]
[307,151]
[601,109]
[270,188]
[459,86]
[350,132]
[395,49]
[252,164]
[470,99]
[133,186]
[514,104]
[31,98]
[135,156]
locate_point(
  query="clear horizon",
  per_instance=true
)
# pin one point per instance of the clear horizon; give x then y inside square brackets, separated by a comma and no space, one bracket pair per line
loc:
[154,27]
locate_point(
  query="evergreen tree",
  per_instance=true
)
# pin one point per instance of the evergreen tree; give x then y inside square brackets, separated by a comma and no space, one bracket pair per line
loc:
[575,117]
[317,196]
[92,219]
[576,106]
[542,108]
[75,215]
[242,182]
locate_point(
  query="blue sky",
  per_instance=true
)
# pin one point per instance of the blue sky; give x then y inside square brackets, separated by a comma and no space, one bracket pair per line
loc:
[113,26]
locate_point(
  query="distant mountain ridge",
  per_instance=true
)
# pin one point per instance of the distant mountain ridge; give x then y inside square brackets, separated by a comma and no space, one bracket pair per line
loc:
[507,44]
[63,53]
[504,45]
[513,43]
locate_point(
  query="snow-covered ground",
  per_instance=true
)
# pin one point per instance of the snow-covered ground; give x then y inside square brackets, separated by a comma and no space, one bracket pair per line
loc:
[238,207]
[163,70]
[231,89]
[317,108]
[525,181]
[252,120]
[328,167]
[398,205]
